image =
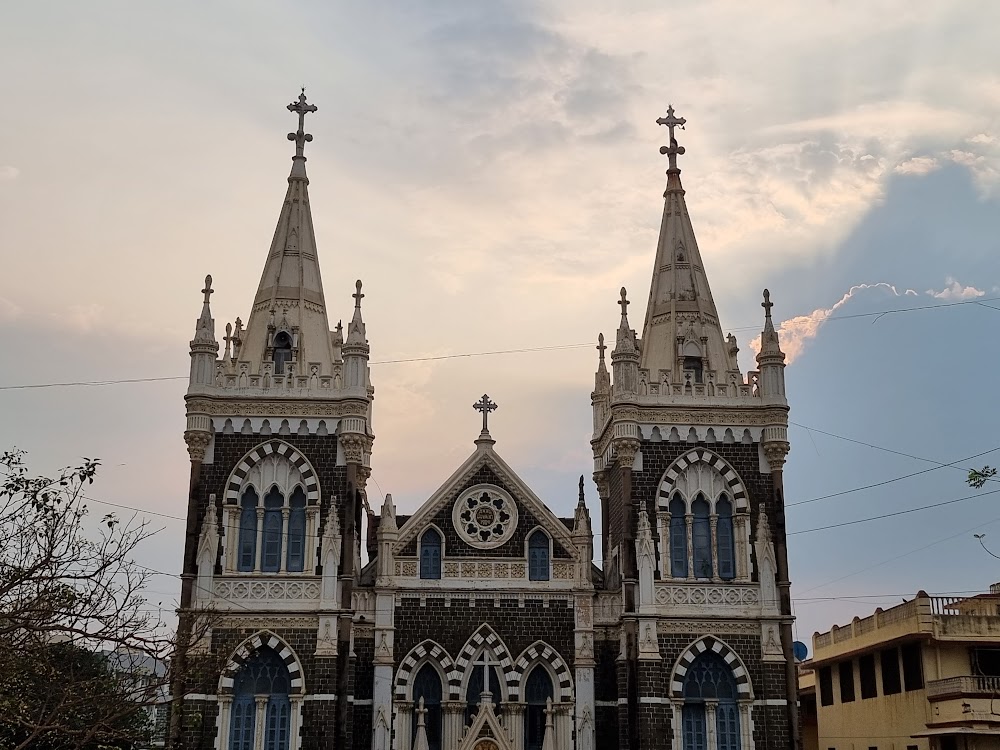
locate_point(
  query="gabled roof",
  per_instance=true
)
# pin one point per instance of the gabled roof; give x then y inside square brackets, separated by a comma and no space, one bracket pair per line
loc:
[484,457]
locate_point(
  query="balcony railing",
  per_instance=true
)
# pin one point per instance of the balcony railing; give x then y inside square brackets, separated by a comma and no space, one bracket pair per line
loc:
[966,686]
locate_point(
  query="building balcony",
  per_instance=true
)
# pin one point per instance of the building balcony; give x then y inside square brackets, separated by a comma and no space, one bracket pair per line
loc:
[961,619]
[969,686]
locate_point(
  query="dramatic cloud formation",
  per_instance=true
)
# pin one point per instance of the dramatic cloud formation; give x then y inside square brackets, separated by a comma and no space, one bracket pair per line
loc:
[918,165]
[955,291]
[796,332]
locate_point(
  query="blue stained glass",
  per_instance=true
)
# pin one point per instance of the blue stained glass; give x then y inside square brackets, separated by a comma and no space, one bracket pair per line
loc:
[678,539]
[296,531]
[242,725]
[725,541]
[430,554]
[271,554]
[538,557]
[701,538]
[248,530]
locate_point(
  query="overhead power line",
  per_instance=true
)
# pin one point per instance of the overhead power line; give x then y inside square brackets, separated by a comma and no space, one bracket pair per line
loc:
[466,355]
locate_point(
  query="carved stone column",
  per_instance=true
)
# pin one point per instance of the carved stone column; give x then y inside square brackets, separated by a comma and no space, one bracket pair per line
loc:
[712,734]
[713,524]
[743,546]
[454,722]
[663,529]
[688,529]
[514,723]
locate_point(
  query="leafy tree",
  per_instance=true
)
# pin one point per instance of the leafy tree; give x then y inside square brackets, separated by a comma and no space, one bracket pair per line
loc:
[77,639]
[978,477]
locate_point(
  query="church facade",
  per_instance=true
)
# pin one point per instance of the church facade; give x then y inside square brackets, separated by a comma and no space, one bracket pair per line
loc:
[480,622]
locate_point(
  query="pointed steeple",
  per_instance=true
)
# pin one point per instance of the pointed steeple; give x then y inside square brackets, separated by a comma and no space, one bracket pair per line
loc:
[204,347]
[625,357]
[682,323]
[290,295]
[770,359]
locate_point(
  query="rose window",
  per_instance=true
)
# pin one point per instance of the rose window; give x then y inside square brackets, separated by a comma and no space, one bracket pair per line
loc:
[485,516]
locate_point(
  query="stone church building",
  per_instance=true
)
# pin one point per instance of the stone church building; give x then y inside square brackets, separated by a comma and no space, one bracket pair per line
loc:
[481,622]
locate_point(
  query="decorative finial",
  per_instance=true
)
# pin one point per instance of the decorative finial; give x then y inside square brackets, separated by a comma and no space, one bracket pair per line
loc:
[624,303]
[301,108]
[485,406]
[673,149]
[767,304]
[207,291]
[358,296]
[600,345]
[581,490]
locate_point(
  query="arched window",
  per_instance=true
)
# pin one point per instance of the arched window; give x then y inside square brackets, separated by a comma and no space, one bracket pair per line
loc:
[264,674]
[537,690]
[427,685]
[678,538]
[296,531]
[725,540]
[430,554]
[248,530]
[271,555]
[701,538]
[709,678]
[282,351]
[474,690]
[538,557]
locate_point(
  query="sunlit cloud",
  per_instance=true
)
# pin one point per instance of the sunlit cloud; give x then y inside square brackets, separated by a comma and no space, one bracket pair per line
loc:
[796,332]
[954,291]
[918,165]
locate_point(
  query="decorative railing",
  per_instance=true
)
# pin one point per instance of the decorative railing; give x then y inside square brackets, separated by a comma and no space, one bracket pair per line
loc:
[968,685]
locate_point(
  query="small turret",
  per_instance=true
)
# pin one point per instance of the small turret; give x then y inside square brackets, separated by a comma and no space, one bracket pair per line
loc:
[625,357]
[770,359]
[204,347]
[355,349]
[583,537]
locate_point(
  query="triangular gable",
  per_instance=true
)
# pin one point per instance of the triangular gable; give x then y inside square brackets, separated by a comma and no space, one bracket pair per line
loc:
[485,456]
[486,732]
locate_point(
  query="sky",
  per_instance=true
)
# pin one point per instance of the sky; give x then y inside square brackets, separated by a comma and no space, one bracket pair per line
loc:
[491,171]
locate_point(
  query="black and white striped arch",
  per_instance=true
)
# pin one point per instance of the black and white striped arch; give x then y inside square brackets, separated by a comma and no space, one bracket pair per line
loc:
[485,637]
[543,652]
[696,649]
[251,646]
[426,651]
[261,452]
[702,455]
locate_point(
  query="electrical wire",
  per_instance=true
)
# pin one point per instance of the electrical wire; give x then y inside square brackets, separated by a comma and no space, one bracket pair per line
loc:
[464,355]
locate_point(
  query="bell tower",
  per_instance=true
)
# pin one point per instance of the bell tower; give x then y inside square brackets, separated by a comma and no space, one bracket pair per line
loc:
[688,457]
[280,438]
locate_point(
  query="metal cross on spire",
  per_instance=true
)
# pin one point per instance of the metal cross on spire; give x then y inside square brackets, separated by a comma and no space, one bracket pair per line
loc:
[301,108]
[485,406]
[673,149]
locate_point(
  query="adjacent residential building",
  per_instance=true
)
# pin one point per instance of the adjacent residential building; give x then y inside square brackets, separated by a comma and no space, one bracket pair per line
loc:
[923,675]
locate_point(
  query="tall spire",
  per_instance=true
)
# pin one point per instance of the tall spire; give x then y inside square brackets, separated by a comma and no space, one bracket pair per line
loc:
[290,295]
[682,323]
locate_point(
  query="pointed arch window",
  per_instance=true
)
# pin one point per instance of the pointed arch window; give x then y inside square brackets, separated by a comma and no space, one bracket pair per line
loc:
[271,553]
[248,530]
[296,531]
[474,691]
[427,685]
[538,556]
[709,678]
[430,554]
[678,538]
[701,538]
[282,352]
[537,691]
[725,539]
[263,676]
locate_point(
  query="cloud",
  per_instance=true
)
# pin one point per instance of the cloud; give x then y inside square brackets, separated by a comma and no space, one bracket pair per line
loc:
[8,173]
[796,332]
[9,311]
[955,291]
[918,165]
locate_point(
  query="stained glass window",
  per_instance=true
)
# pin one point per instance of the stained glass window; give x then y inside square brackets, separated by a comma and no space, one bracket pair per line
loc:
[678,539]
[248,530]
[271,554]
[296,531]
[537,690]
[701,538]
[538,557]
[427,685]
[725,541]
[430,554]
[264,674]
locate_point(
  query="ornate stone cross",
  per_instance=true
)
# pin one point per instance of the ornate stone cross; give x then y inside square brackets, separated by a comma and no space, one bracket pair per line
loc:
[358,296]
[601,347]
[767,304]
[302,109]
[208,291]
[485,406]
[624,303]
[486,662]
[673,149]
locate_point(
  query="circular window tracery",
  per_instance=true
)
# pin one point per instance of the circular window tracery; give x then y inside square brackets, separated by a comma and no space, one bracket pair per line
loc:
[485,516]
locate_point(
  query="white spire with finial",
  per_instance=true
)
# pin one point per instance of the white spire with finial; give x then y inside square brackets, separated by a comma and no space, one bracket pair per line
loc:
[770,358]
[420,741]
[204,347]
[356,335]
[291,283]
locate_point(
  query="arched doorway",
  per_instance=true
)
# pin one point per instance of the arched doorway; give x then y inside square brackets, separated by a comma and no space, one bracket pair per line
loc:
[710,701]
[261,698]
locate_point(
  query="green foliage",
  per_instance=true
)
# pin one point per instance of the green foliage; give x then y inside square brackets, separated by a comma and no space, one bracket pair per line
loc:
[978,477]
[91,693]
